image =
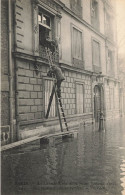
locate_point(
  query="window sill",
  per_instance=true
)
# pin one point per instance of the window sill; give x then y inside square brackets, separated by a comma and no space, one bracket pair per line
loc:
[78,63]
[97,69]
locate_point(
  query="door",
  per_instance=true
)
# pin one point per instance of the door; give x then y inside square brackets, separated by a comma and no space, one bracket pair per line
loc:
[97,103]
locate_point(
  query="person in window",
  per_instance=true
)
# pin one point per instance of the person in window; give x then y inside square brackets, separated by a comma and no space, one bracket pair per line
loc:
[57,73]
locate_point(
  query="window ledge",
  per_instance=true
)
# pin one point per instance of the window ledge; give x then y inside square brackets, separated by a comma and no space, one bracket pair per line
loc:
[78,63]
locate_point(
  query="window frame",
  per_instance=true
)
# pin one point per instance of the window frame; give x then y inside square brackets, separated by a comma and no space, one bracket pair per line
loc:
[83,87]
[96,68]
[97,27]
[80,63]
[45,78]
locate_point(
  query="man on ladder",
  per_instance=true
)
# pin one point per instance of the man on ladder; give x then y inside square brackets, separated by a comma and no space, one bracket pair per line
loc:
[56,71]
[57,74]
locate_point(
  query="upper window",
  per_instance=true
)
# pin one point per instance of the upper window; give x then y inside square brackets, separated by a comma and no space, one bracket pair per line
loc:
[79,98]
[109,26]
[76,7]
[45,30]
[96,56]
[110,64]
[77,52]
[94,14]
[77,44]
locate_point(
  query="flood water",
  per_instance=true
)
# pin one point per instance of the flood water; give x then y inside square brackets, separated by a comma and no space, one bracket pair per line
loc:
[93,163]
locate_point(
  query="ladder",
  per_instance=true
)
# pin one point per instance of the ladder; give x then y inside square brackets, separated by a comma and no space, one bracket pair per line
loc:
[60,110]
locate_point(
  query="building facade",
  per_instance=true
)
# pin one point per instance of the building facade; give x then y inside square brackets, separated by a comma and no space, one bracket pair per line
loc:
[85,33]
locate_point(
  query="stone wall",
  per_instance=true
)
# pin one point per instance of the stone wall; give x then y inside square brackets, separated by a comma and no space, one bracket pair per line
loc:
[31,92]
[69,91]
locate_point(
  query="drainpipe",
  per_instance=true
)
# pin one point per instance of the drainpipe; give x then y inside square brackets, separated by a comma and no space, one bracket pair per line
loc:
[17,100]
[10,71]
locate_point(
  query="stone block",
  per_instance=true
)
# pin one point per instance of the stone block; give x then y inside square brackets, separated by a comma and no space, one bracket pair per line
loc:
[63,95]
[39,81]
[70,85]
[33,108]
[36,88]
[24,109]
[23,79]
[22,72]
[68,79]
[65,101]
[24,102]
[69,101]
[33,81]
[29,73]
[65,90]
[23,117]
[72,80]
[39,108]
[66,73]
[67,106]
[69,112]
[73,111]
[70,74]
[38,115]
[40,94]
[24,94]
[34,94]
[21,86]
[29,87]
[37,101]
[74,74]
[30,116]
[68,90]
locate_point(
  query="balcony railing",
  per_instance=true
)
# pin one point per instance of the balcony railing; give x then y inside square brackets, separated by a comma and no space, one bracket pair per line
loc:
[43,55]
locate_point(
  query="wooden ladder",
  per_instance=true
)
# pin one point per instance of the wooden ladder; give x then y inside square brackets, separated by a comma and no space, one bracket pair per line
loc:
[60,110]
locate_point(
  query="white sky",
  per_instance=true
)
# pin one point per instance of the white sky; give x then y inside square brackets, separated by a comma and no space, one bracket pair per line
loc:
[120,10]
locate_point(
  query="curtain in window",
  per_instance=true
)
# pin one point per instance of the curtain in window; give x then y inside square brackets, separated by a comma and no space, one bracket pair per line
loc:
[79,98]
[48,90]
[77,44]
[96,54]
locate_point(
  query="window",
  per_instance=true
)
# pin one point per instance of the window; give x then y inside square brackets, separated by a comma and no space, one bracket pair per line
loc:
[96,56]
[77,44]
[76,7]
[48,85]
[110,64]
[94,14]
[45,27]
[109,26]
[77,52]
[79,98]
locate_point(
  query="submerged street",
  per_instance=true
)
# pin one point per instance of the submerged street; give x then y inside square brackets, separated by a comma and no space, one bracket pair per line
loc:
[89,164]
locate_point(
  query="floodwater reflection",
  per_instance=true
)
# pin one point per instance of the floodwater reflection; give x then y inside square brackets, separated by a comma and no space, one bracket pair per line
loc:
[93,163]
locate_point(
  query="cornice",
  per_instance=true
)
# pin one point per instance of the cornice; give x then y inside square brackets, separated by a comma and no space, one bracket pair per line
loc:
[53,6]
[74,69]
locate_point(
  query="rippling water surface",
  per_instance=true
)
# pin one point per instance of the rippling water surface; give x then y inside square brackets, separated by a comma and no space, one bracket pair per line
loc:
[92,163]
